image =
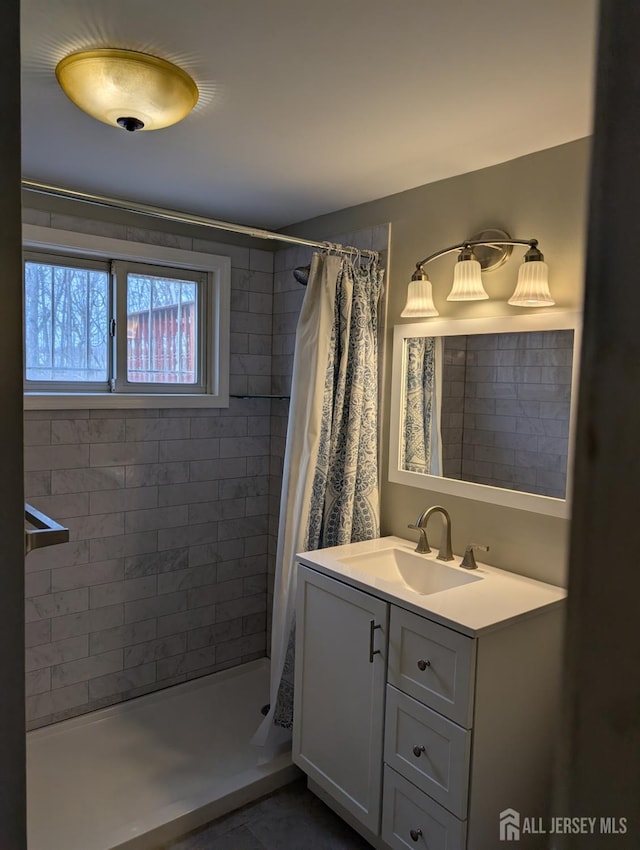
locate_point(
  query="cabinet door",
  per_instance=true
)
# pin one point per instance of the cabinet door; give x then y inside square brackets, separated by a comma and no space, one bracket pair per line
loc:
[341,640]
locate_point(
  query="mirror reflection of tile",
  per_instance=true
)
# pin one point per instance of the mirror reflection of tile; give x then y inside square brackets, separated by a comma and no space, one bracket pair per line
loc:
[505,410]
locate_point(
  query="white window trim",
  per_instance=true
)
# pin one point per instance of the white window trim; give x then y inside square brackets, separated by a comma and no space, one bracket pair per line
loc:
[100,247]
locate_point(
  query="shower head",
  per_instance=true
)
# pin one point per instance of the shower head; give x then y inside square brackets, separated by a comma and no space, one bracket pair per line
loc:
[301,274]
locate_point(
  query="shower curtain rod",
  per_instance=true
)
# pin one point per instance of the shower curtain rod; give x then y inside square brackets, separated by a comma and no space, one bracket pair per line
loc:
[184,218]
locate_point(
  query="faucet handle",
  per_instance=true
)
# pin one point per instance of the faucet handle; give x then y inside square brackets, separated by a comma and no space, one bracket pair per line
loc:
[423,542]
[469,559]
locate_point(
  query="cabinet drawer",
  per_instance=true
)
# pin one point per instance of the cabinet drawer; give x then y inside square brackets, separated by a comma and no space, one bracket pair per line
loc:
[429,750]
[433,664]
[411,819]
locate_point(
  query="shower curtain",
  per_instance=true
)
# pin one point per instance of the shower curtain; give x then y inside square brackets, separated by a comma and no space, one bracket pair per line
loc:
[422,440]
[330,477]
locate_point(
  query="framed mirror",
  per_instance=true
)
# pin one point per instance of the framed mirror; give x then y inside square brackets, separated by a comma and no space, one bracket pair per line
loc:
[484,408]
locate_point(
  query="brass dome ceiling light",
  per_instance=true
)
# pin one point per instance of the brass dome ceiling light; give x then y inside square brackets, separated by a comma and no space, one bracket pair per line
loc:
[128,89]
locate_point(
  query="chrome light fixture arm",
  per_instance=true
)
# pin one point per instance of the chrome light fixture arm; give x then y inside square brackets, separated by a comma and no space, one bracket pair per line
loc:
[472,243]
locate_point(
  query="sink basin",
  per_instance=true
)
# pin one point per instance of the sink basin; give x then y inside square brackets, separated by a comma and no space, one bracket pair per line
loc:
[418,572]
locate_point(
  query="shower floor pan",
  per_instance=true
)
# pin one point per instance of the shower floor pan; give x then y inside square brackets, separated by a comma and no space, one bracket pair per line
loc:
[146,771]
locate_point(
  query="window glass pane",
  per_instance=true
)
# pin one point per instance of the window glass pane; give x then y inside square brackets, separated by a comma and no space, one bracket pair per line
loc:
[66,313]
[162,330]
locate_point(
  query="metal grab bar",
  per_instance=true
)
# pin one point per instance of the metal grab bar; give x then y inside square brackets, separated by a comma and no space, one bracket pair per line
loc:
[47,532]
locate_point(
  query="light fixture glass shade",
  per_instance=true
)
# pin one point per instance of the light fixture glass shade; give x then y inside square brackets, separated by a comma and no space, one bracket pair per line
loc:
[532,287]
[126,88]
[419,300]
[467,282]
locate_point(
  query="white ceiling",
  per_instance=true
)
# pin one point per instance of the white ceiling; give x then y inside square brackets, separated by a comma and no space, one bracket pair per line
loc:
[307,106]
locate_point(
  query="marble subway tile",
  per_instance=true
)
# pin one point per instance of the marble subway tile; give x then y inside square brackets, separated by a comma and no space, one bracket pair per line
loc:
[84,622]
[244,446]
[238,255]
[113,593]
[122,636]
[215,594]
[106,548]
[214,511]
[37,633]
[127,499]
[87,431]
[81,224]
[51,702]
[155,518]
[83,480]
[38,681]
[212,470]
[56,604]
[223,426]
[154,563]
[56,652]
[193,449]
[120,682]
[91,667]
[55,457]
[165,647]
[157,429]
[147,475]
[87,575]
[187,535]
[241,607]
[96,525]
[37,483]
[37,584]
[162,238]
[215,633]
[37,432]
[123,454]
[62,506]
[157,606]
[216,552]
[261,260]
[186,620]
[186,579]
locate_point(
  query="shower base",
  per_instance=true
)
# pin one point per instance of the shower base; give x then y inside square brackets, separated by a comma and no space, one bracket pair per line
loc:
[146,771]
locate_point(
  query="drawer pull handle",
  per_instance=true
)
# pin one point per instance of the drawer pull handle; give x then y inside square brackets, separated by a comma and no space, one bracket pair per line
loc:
[415,834]
[417,751]
[372,651]
[422,664]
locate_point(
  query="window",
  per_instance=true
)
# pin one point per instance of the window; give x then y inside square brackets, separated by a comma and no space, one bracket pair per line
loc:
[117,327]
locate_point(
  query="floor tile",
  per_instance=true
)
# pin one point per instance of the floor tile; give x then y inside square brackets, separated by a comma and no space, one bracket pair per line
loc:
[290,819]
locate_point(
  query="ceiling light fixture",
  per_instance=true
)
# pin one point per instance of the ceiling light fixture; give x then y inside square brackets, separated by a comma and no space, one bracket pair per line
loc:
[483,252]
[128,89]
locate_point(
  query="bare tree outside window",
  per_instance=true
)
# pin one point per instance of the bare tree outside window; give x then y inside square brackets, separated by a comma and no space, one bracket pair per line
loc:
[66,323]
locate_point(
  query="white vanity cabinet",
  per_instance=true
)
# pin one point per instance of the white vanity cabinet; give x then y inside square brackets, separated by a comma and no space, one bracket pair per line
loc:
[341,660]
[424,743]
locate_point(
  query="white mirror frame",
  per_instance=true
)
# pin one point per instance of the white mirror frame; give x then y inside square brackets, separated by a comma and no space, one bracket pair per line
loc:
[557,320]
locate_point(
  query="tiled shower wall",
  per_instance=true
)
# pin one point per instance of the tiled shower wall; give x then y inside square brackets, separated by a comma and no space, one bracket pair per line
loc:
[165,576]
[173,513]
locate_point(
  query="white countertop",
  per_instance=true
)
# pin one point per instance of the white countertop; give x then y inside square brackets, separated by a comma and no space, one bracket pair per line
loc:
[472,609]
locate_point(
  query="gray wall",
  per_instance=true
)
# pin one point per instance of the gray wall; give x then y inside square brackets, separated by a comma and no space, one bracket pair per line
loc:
[164,578]
[542,195]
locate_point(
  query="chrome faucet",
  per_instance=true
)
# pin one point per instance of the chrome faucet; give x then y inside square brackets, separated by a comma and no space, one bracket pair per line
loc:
[445,553]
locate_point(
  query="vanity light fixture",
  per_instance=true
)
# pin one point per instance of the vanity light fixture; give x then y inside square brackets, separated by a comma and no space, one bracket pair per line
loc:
[485,251]
[126,88]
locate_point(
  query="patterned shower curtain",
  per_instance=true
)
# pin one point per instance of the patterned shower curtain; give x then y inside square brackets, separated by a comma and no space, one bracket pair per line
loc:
[422,441]
[330,478]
